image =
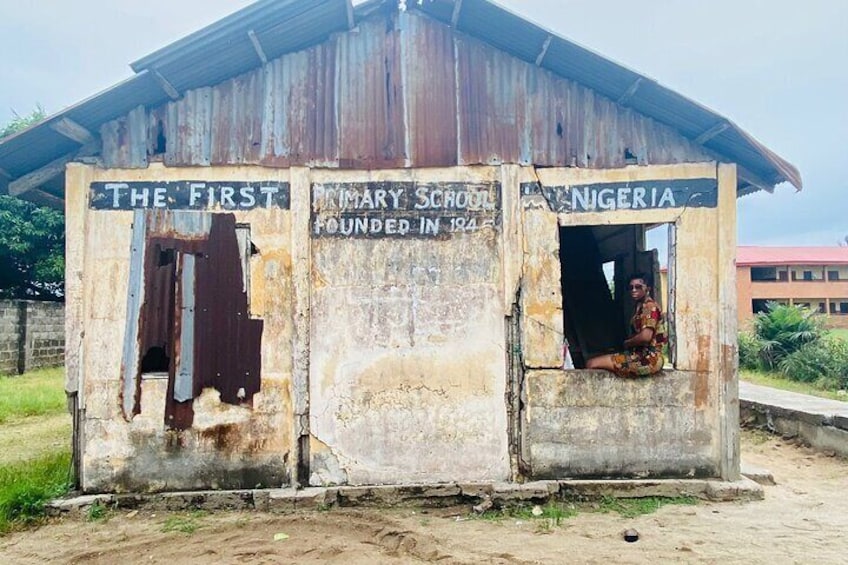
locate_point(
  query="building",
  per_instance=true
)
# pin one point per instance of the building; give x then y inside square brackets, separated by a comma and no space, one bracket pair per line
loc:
[812,277]
[314,244]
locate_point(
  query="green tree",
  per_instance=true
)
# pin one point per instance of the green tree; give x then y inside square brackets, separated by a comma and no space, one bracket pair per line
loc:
[19,122]
[32,239]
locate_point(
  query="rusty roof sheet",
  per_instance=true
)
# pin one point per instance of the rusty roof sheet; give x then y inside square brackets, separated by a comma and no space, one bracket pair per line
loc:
[225,49]
[525,40]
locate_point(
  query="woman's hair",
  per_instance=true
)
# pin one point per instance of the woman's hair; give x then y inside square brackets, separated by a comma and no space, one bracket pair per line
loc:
[642,276]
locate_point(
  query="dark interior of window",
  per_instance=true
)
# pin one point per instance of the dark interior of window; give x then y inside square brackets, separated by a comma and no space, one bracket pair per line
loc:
[833,275]
[763,274]
[759,305]
[597,311]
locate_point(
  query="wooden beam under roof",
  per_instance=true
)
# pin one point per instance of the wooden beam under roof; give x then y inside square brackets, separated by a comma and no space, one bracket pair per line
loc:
[43,198]
[712,132]
[260,52]
[72,130]
[457,8]
[351,20]
[544,50]
[631,90]
[169,89]
[743,174]
[51,170]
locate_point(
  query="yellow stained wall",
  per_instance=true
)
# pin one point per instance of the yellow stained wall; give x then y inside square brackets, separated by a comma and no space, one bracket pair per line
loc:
[390,356]
[705,320]
[227,445]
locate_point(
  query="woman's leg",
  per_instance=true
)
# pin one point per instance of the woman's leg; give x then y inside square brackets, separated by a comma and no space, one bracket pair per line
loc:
[601,362]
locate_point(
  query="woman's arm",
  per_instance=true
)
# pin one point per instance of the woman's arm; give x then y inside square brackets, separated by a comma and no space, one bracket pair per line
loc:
[642,338]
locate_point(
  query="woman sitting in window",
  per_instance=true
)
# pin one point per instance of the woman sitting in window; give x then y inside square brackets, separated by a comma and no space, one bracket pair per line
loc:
[642,353]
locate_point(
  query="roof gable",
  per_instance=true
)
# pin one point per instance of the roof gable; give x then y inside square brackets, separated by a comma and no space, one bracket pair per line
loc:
[271,28]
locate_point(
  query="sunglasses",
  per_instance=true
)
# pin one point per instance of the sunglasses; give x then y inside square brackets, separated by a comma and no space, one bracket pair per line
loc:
[637,286]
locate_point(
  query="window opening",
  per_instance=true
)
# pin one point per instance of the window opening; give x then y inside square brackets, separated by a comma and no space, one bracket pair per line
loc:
[759,274]
[833,275]
[843,307]
[609,274]
[833,307]
[808,275]
[783,276]
[759,305]
[596,263]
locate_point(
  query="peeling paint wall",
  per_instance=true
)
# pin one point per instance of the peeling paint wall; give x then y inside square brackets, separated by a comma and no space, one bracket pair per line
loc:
[678,423]
[227,444]
[408,361]
[385,299]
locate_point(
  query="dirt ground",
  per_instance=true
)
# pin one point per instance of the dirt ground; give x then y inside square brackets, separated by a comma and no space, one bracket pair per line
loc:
[803,519]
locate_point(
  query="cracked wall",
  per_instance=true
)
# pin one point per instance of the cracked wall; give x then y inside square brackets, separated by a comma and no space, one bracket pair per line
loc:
[408,361]
[227,445]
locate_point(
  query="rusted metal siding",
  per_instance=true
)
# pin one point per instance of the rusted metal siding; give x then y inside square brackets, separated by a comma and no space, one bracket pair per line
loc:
[193,323]
[400,90]
[370,97]
[431,128]
[237,106]
[189,129]
[299,109]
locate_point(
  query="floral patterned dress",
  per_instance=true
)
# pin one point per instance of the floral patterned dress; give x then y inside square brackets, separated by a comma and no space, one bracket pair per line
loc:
[648,359]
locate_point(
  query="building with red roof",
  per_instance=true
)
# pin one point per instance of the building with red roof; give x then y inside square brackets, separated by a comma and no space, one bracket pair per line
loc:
[814,277]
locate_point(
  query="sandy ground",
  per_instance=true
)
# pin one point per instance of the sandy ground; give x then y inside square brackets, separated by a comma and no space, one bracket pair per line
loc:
[804,519]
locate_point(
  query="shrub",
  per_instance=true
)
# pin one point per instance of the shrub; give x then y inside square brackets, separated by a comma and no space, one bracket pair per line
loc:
[782,330]
[823,362]
[749,351]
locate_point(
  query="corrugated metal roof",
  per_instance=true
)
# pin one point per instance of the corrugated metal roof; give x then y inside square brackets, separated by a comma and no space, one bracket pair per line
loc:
[224,50]
[38,145]
[746,255]
[515,35]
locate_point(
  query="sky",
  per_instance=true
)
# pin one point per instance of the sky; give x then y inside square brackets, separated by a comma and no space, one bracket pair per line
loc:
[777,68]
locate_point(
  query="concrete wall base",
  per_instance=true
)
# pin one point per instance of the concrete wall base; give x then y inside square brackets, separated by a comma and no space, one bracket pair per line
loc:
[437,495]
[821,432]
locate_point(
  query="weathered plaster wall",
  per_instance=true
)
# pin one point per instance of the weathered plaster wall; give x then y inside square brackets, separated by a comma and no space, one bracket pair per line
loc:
[228,446]
[407,353]
[386,359]
[693,410]
[593,424]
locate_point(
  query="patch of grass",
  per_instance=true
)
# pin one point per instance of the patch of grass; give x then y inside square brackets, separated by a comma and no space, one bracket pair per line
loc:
[553,513]
[774,380]
[633,507]
[184,523]
[37,393]
[757,436]
[97,512]
[26,487]
[839,333]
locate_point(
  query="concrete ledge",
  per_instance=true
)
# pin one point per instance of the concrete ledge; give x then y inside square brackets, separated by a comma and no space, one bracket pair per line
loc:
[818,422]
[439,495]
[758,474]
